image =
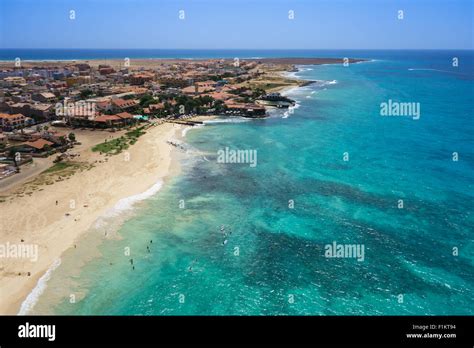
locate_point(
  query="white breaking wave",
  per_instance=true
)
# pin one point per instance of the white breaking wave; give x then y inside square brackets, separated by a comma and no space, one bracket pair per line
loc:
[414,69]
[34,295]
[321,83]
[128,202]
[301,91]
[429,69]
[290,74]
[290,110]
[185,130]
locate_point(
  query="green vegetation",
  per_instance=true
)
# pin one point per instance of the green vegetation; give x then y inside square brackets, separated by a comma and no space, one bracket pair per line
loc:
[269,86]
[113,146]
[135,133]
[219,106]
[86,93]
[197,105]
[58,172]
[117,145]
[258,92]
[61,166]
[146,100]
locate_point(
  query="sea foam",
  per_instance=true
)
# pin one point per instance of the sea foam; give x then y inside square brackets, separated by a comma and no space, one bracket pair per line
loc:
[187,129]
[34,295]
[128,202]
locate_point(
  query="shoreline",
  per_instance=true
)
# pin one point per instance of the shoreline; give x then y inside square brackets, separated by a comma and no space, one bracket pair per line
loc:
[95,193]
[19,292]
[24,293]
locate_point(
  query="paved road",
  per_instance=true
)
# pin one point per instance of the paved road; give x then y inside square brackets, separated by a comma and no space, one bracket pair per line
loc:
[27,172]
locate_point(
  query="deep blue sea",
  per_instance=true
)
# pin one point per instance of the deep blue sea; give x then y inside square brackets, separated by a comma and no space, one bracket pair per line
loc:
[81,54]
[269,258]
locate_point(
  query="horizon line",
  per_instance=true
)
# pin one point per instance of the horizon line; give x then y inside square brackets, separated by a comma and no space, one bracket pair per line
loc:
[224,49]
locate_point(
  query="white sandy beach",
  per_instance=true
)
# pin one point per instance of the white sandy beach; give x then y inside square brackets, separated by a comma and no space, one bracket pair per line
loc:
[38,220]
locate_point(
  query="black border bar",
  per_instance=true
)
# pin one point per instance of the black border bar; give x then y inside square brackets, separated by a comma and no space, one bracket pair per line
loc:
[192,330]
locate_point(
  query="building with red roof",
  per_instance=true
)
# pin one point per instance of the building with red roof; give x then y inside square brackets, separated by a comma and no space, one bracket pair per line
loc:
[39,144]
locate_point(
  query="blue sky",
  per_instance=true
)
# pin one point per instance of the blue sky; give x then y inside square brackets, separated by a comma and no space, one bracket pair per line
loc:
[220,24]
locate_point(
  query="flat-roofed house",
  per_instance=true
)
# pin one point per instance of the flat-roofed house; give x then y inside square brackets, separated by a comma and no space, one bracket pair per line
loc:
[141,78]
[105,70]
[15,121]
[45,97]
[12,81]
[200,87]
[38,111]
[83,66]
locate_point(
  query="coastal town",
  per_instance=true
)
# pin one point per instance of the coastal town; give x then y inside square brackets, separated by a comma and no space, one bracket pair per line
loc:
[196,166]
[79,136]
[46,107]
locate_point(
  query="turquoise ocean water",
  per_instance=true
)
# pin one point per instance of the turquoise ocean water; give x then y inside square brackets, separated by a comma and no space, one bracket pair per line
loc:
[269,259]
